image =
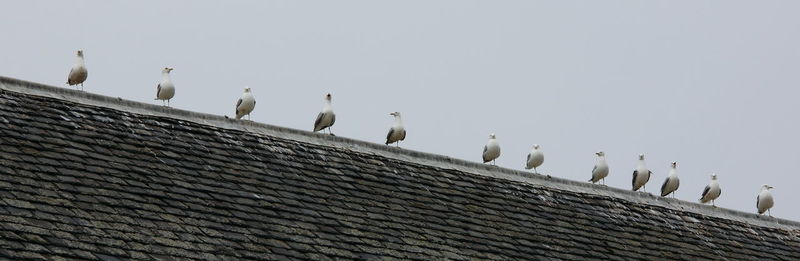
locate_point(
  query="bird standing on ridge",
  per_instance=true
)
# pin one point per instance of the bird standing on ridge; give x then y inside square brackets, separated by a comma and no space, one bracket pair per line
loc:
[712,191]
[764,201]
[492,150]
[246,104]
[600,170]
[326,118]
[78,73]
[166,89]
[535,158]
[397,132]
[640,175]
[672,182]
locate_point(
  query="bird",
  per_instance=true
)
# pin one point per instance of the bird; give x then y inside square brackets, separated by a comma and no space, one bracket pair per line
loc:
[166,89]
[397,132]
[492,150]
[672,182]
[326,118]
[712,191]
[764,201]
[600,170]
[246,104]
[78,73]
[535,158]
[640,175]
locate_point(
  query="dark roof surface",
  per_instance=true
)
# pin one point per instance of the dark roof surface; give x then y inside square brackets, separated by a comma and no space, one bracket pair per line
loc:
[84,176]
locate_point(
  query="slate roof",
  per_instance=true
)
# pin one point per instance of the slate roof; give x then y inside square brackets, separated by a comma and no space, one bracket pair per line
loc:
[84,176]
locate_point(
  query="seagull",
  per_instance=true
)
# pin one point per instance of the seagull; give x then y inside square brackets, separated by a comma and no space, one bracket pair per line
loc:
[492,150]
[764,201]
[78,73]
[166,89]
[326,118]
[712,191]
[397,132]
[245,105]
[535,158]
[641,174]
[672,182]
[600,170]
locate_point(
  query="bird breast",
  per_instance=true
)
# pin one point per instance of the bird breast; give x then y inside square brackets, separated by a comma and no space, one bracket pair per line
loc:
[167,90]
[78,74]
[537,158]
[602,168]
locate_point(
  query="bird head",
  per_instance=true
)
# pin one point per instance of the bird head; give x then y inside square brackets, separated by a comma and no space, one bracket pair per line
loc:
[600,153]
[80,53]
[674,164]
[641,156]
[166,70]
[713,176]
[246,89]
[536,146]
[766,187]
[396,114]
[491,136]
[328,96]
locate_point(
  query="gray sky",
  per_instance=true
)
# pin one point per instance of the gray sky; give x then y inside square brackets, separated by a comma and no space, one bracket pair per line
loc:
[712,85]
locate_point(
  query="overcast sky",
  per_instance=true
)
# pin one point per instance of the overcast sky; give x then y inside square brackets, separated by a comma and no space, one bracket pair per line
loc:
[713,85]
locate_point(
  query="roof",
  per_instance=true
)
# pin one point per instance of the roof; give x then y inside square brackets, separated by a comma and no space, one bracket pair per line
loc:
[84,176]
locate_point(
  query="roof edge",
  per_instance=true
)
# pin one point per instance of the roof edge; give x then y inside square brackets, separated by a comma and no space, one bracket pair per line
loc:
[418,157]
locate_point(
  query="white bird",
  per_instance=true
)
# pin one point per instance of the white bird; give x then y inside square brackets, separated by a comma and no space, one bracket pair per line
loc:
[78,73]
[246,104]
[166,89]
[712,191]
[672,182]
[600,170]
[326,118]
[397,132]
[535,158]
[640,175]
[492,150]
[764,201]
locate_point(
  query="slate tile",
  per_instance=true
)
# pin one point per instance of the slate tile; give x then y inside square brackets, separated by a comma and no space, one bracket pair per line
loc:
[105,191]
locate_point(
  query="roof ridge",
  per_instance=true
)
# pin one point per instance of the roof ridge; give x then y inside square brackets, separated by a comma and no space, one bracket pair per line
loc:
[417,157]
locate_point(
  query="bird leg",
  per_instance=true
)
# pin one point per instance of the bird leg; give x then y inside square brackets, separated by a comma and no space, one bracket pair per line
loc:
[769,211]
[534,170]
